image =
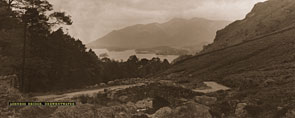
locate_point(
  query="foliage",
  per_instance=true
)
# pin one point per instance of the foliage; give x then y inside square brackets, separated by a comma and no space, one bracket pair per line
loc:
[132,68]
[53,59]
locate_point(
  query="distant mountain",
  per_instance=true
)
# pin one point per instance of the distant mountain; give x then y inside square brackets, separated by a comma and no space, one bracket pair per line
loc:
[174,33]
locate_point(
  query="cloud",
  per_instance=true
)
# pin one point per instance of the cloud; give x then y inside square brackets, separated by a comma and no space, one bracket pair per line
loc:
[95,18]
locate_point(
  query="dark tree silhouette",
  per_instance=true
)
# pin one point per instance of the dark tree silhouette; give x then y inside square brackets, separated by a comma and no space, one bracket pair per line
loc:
[54,61]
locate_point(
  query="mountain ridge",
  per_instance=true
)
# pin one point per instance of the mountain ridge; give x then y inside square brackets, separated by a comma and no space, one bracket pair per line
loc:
[177,32]
[265,17]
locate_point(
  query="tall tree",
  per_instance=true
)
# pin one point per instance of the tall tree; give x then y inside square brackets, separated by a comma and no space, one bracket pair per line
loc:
[37,27]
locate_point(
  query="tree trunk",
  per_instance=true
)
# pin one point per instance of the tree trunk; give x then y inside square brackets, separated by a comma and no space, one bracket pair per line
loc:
[24,59]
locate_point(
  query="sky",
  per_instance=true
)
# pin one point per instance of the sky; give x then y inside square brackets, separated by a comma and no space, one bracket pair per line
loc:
[93,19]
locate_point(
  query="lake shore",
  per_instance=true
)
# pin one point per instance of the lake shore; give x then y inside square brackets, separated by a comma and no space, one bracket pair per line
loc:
[124,55]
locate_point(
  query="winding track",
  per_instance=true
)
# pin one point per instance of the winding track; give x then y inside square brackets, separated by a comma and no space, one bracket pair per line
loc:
[85,92]
[213,87]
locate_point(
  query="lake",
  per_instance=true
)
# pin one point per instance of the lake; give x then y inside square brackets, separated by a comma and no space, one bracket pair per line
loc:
[124,55]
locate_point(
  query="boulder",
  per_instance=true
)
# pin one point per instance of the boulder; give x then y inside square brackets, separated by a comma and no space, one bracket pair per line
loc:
[106,90]
[123,99]
[205,100]
[240,111]
[5,77]
[130,104]
[183,100]
[96,85]
[139,116]
[162,113]
[191,110]
[144,104]
[111,95]
[79,111]
[290,114]
[102,84]
[121,115]
[159,102]
[126,82]
[111,83]
[113,111]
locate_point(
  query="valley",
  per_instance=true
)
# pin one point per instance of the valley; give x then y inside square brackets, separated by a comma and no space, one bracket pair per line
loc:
[177,32]
[157,70]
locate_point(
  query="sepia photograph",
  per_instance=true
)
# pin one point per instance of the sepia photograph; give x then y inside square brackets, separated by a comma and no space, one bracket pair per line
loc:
[147,58]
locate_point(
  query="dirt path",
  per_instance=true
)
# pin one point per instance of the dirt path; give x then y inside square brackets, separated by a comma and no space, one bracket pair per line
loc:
[86,92]
[213,87]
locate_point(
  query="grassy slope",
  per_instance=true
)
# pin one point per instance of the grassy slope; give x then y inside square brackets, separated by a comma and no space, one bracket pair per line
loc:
[264,18]
[275,50]
[261,72]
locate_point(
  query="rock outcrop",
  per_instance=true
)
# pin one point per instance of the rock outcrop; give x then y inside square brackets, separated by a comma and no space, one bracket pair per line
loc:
[260,70]
[265,18]
[191,110]
[188,110]
[163,112]
[144,104]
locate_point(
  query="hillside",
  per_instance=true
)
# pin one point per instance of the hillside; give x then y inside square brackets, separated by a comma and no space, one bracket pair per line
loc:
[248,72]
[174,33]
[260,66]
[264,18]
